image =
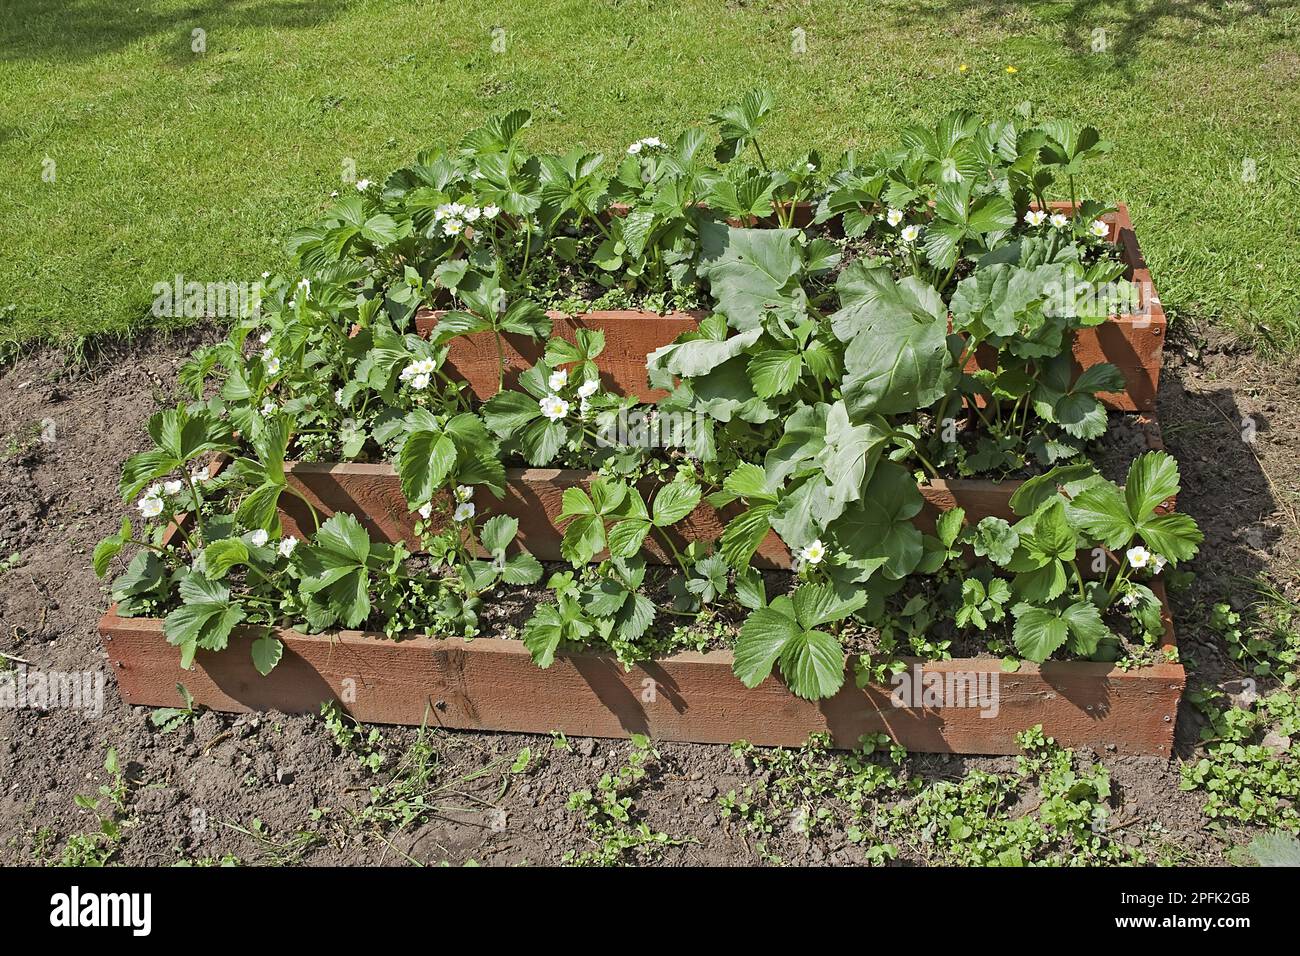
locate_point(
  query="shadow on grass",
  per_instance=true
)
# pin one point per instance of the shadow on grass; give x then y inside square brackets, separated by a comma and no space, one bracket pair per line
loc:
[72,30]
[1127,23]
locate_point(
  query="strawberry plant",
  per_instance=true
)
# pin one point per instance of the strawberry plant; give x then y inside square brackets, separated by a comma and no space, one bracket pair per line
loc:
[847,303]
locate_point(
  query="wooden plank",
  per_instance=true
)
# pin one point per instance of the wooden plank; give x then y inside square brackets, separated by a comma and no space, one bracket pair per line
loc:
[492,684]
[373,494]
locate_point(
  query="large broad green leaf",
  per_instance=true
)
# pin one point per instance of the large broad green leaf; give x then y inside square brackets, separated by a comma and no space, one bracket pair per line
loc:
[813,665]
[752,272]
[674,501]
[1115,517]
[1152,480]
[336,577]
[739,123]
[267,651]
[811,661]
[829,460]
[206,617]
[897,358]
[702,355]
[1087,630]
[265,472]
[763,637]
[816,605]
[878,529]
[179,438]
[727,393]
[1003,299]
[1038,632]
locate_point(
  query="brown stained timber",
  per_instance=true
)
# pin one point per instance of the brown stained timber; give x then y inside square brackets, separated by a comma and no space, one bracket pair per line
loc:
[492,684]
[373,494]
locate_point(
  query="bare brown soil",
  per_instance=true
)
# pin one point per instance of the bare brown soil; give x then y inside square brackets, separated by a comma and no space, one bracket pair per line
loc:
[65,432]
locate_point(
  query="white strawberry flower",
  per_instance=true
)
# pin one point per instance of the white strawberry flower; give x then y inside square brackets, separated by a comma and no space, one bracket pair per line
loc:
[287,545]
[292,304]
[464,511]
[259,537]
[649,143]
[813,553]
[1138,556]
[1099,229]
[363,185]
[1035,217]
[425,510]
[911,233]
[894,217]
[1130,599]
[452,227]
[265,337]
[1059,220]
[588,388]
[472,214]
[490,211]
[268,408]
[559,378]
[151,506]
[271,362]
[420,382]
[199,475]
[554,407]
[173,487]
[464,493]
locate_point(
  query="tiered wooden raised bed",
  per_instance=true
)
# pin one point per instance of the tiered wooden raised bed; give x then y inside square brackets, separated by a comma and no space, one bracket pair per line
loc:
[492,684]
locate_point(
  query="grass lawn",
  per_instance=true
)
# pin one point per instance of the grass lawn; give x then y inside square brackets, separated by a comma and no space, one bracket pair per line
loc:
[168,161]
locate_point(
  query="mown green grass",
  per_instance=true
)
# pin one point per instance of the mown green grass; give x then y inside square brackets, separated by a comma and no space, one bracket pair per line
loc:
[172,162]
